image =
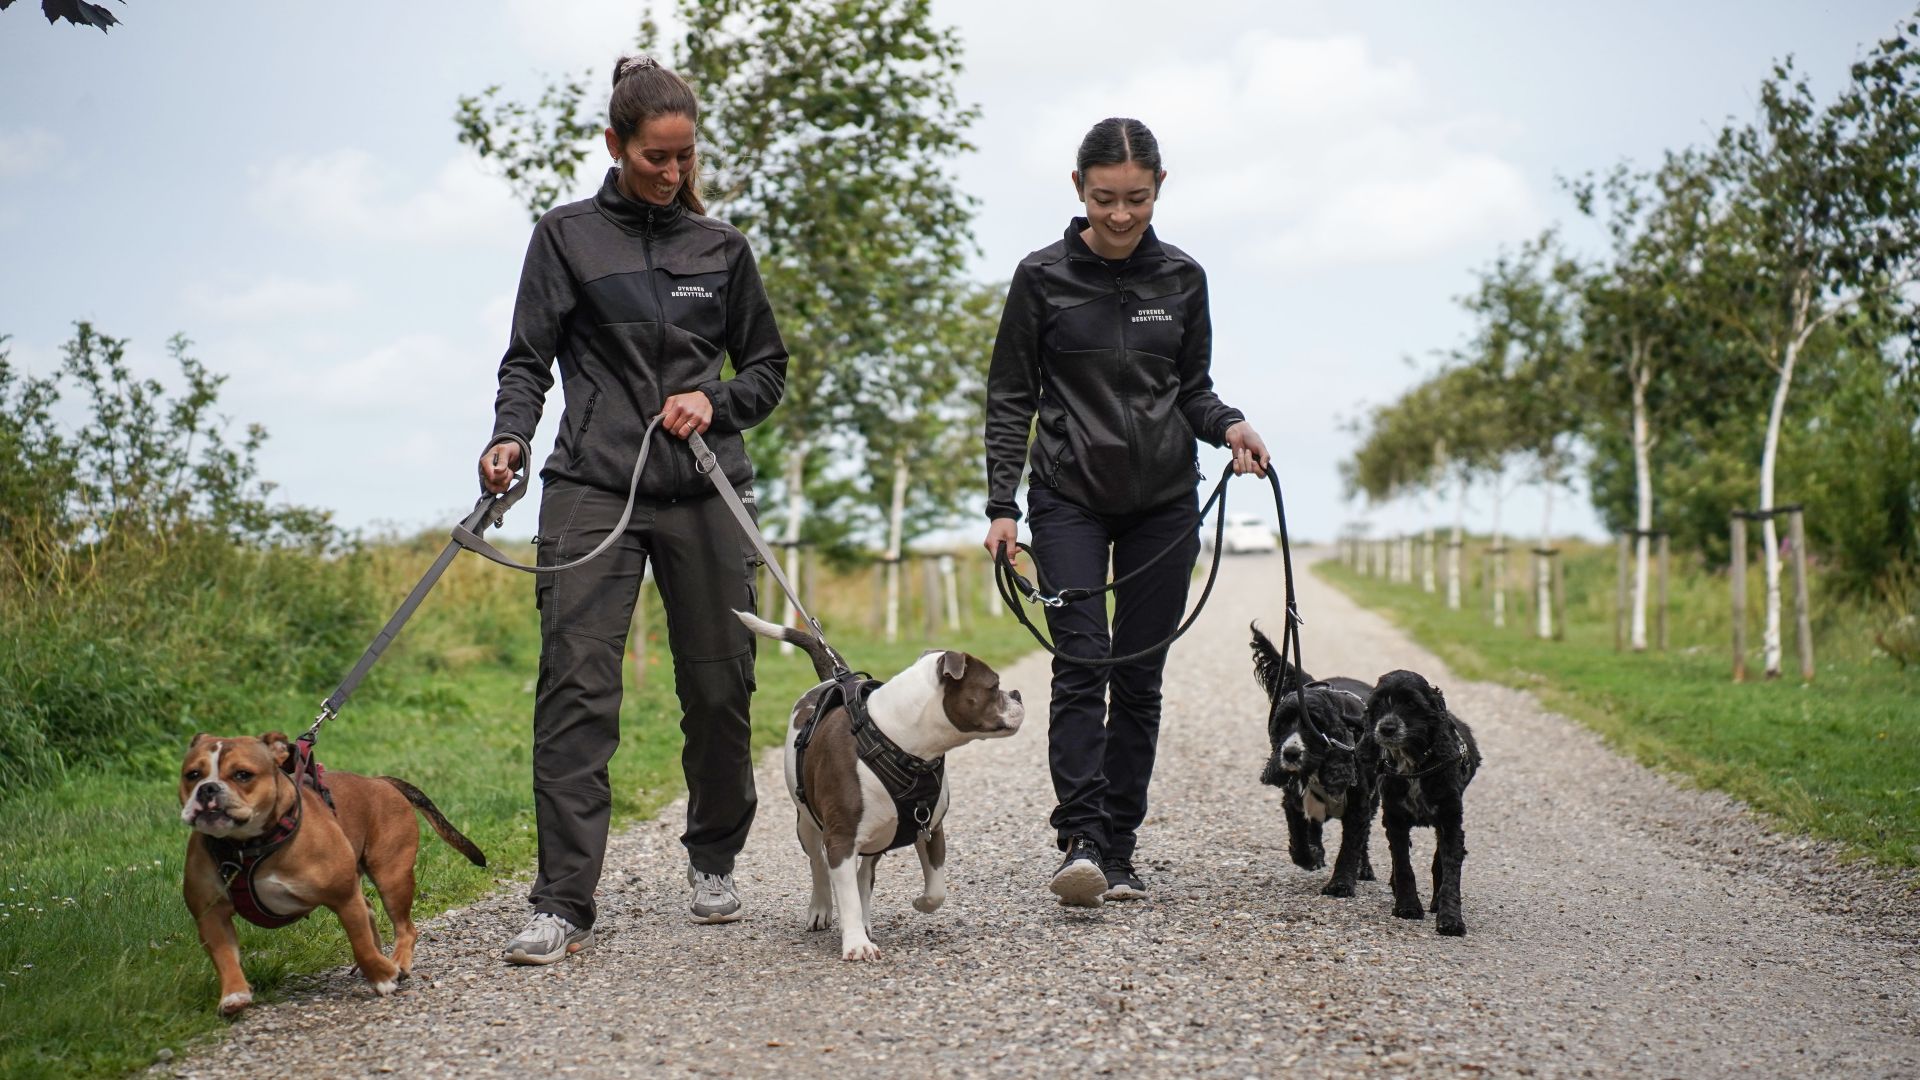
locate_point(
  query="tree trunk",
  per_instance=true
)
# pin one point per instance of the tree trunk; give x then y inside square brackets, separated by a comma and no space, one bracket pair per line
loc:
[796,517]
[895,515]
[1769,457]
[1640,373]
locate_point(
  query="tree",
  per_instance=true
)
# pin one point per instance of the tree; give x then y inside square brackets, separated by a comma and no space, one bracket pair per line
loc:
[1639,314]
[77,12]
[1824,223]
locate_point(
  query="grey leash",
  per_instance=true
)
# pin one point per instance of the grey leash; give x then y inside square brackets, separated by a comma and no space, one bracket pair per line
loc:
[705,461]
[491,509]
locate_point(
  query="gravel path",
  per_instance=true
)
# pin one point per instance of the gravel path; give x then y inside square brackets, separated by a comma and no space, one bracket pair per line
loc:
[1619,925]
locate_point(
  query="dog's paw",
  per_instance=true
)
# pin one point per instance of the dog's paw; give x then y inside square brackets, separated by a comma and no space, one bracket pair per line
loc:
[860,950]
[1308,858]
[232,1004]
[819,918]
[1338,887]
[1409,911]
[386,986]
[1366,872]
[1451,926]
[927,905]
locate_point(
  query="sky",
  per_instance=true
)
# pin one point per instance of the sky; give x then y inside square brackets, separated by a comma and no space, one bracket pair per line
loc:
[282,184]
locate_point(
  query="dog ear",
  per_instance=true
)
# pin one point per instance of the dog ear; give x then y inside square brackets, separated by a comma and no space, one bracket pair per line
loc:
[1269,669]
[953,665]
[278,746]
[1438,699]
[198,739]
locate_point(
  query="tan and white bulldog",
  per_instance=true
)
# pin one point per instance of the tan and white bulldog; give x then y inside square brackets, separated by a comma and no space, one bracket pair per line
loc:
[943,701]
[235,794]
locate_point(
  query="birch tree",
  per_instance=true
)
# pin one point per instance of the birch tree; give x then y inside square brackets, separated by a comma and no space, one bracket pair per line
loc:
[1824,222]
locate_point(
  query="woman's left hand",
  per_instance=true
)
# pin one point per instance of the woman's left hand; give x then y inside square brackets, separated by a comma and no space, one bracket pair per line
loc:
[1249,452]
[687,413]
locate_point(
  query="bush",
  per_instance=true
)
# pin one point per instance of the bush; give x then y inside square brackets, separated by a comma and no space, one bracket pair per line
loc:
[150,587]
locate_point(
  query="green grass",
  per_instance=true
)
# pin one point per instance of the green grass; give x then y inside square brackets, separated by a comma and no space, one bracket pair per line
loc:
[100,966]
[1838,758]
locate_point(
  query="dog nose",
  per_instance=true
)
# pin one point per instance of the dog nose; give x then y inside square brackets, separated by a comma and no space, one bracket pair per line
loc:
[1014,694]
[1291,753]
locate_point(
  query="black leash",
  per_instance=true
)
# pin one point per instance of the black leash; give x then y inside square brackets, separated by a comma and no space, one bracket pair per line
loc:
[1013,587]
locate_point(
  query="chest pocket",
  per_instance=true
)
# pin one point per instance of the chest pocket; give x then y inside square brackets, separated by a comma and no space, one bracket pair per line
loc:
[696,303]
[1156,316]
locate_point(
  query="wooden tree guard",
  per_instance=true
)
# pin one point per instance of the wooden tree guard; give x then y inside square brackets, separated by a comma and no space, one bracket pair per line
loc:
[1556,592]
[930,595]
[1620,601]
[1803,619]
[1738,578]
[1803,614]
[1660,613]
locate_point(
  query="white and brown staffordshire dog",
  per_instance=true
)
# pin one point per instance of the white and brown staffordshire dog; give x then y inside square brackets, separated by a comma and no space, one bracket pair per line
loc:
[235,793]
[945,700]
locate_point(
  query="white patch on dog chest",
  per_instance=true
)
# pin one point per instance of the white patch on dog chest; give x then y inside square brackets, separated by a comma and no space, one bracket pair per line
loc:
[1319,805]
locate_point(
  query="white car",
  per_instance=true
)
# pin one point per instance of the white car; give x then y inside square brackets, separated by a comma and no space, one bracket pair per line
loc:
[1245,533]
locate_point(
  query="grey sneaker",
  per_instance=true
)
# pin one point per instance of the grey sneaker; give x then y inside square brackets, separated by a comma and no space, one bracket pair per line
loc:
[715,900]
[547,938]
[1080,882]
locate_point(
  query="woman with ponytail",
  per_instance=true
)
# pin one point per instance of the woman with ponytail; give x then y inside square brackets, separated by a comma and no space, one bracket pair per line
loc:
[1106,338]
[639,297]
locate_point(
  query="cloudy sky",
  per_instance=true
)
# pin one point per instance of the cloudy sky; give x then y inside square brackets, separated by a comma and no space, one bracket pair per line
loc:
[281,183]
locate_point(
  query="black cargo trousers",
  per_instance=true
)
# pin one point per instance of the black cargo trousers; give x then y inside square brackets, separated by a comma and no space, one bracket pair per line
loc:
[704,574]
[1104,723]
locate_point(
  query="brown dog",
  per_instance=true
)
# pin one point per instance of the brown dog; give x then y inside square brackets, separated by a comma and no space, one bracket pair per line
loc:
[270,849]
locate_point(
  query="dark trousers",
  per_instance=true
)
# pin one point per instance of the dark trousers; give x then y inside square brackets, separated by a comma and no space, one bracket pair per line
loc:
[1101,754]
[701,567]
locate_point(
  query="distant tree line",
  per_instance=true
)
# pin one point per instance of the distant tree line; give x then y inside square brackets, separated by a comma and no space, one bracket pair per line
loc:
[1749,338]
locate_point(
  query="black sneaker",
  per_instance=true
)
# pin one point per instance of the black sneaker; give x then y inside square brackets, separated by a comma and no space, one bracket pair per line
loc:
[1080,882]
[1122,882]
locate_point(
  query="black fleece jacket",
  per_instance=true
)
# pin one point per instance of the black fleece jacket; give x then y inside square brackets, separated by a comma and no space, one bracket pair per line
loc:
[1114,357]
[638,303]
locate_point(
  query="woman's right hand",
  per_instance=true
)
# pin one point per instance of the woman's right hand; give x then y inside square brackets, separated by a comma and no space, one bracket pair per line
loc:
[497,466]
[1004,532]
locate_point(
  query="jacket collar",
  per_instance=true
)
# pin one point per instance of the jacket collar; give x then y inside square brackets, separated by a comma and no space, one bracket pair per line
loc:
[634,215]
[1149,247]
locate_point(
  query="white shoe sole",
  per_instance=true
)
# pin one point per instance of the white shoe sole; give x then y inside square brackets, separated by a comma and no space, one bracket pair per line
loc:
[1079,884]
[566,949]
[1124,892]
[706,920]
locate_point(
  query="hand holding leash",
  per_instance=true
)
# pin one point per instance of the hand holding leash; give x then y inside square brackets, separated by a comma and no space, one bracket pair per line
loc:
[497,466]
[1249,450]
[1004,535]
[687,414]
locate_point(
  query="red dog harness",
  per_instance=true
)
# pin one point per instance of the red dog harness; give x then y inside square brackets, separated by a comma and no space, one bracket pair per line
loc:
[237,861]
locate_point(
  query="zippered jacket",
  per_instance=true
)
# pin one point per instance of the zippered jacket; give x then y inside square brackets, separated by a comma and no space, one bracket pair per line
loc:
[1113,358]
[637,303]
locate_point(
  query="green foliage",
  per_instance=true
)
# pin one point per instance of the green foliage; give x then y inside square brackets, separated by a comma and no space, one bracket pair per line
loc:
[537,148]
[148,584]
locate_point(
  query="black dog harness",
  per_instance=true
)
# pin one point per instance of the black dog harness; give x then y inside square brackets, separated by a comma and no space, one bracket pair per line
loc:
[238,861]
[914,784]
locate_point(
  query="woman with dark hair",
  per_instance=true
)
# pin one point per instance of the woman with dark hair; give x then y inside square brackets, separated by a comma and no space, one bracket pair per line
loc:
[637,294]
[1107,339]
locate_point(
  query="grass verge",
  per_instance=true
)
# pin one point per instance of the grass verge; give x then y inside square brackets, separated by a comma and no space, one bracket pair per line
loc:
[100,967]
[1838,759]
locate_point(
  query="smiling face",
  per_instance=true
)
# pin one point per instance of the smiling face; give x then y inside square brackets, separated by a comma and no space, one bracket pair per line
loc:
[1119,201]
[656,161]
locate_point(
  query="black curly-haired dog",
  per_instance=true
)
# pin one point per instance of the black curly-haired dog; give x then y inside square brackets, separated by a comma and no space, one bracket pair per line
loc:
[1321,761]
[1427,758]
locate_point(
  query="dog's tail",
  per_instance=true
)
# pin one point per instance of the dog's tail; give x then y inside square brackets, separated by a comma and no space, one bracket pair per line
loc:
[438,820]
[812,646]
